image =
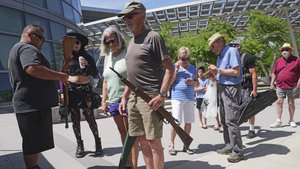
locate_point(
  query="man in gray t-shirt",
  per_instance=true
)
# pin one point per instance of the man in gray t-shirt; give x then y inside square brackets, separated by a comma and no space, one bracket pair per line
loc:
[146,59]
[35,93]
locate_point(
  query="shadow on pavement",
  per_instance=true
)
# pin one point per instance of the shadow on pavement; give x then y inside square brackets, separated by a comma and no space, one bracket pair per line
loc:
[112,151]
[266,135]
[15,160]
[265,149]
[203,148]
[191,165]
[103,167]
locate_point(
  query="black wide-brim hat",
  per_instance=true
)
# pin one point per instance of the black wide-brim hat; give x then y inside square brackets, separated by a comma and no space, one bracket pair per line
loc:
[83,39]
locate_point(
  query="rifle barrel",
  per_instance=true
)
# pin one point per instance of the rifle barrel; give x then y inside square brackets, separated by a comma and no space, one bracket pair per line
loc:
[186,138]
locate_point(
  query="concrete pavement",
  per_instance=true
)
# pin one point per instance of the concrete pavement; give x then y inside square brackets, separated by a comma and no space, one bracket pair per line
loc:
[271,149]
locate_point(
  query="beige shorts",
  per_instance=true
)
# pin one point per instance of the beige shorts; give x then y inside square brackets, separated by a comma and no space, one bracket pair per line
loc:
[143,120]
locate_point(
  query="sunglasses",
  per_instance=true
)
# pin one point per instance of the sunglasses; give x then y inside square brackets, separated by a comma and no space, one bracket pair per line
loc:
[285,50]
[130,15]
[109,42]
[233,45]
[39,36]
[184,59]
[77,42]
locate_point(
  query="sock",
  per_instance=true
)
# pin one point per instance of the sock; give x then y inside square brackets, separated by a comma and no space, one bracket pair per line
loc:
[251,127]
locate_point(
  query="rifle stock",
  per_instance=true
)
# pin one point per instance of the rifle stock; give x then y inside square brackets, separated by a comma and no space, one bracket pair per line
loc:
[186,138]
[68,43]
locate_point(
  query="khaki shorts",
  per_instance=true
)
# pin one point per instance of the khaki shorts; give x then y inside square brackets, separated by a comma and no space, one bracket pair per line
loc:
[143,120]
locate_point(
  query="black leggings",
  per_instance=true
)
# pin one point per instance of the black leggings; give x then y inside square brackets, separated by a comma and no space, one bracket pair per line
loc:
[89,116]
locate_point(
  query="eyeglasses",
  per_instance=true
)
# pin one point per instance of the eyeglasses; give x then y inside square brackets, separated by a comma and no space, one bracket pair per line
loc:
[109,42]
[41,37]
[77,42]
[130,15]
[184,59]
[285,50]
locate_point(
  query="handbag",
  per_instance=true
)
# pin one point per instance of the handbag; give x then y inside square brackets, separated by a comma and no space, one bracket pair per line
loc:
[96,100]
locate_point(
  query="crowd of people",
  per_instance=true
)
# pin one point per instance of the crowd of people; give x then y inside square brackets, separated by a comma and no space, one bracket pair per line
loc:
[147,64]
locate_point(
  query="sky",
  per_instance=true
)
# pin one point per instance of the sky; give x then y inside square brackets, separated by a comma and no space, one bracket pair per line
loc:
[119,4]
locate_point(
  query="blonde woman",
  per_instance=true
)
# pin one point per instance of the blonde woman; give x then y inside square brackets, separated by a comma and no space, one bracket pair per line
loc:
[184,80]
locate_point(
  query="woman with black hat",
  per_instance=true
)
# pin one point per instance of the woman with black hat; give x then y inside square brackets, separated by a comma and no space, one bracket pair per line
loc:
[80,95]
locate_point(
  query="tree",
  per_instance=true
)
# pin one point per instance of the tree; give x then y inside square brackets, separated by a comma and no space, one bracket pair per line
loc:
[263,37]
[264,34]
[197,43]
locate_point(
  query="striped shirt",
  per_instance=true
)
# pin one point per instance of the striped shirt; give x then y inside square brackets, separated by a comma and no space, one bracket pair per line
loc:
[180,90]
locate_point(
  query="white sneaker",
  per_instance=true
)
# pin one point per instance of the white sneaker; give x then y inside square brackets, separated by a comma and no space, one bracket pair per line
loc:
[277,124]
[292,124]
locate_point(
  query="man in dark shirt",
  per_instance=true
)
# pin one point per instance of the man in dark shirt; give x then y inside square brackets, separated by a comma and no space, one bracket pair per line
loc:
[249,83]
[35,93]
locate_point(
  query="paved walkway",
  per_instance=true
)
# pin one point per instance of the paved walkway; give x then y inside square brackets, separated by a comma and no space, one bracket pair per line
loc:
[271,149]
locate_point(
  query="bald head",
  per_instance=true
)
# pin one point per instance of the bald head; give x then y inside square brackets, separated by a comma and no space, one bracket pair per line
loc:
[33,34]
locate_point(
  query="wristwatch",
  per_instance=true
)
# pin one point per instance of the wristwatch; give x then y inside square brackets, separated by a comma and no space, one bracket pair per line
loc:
[163,94]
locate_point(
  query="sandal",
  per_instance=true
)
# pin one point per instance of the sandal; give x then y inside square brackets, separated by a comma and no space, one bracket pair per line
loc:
[188,151]
[172,151]
[204,126]
[221,130]
[216,127]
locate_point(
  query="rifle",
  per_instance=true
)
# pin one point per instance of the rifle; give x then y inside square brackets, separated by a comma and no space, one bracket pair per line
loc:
[68,43]
[186,139]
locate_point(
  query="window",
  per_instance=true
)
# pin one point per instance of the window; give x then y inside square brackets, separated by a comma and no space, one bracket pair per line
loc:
[57,31]
[77,17]
[68,12]
[32,19]
[58,53]
[47,50]
[55,6]
[5,87]
[6,43]
[14,24]
[40,3]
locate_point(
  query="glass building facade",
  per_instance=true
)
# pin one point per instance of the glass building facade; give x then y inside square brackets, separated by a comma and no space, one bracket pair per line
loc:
[57,17]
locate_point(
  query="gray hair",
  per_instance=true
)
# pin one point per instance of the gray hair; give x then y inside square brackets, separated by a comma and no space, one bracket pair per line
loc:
[32,27]
[104,50]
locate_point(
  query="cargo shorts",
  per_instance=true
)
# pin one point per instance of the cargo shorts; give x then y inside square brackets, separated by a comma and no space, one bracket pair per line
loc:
[142,120]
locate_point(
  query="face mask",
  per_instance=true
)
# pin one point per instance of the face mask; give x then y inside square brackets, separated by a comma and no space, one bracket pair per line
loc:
[285,54]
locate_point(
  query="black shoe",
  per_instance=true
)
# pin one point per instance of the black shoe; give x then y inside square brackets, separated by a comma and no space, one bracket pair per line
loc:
[99,150]
[251,134]
[80,149]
